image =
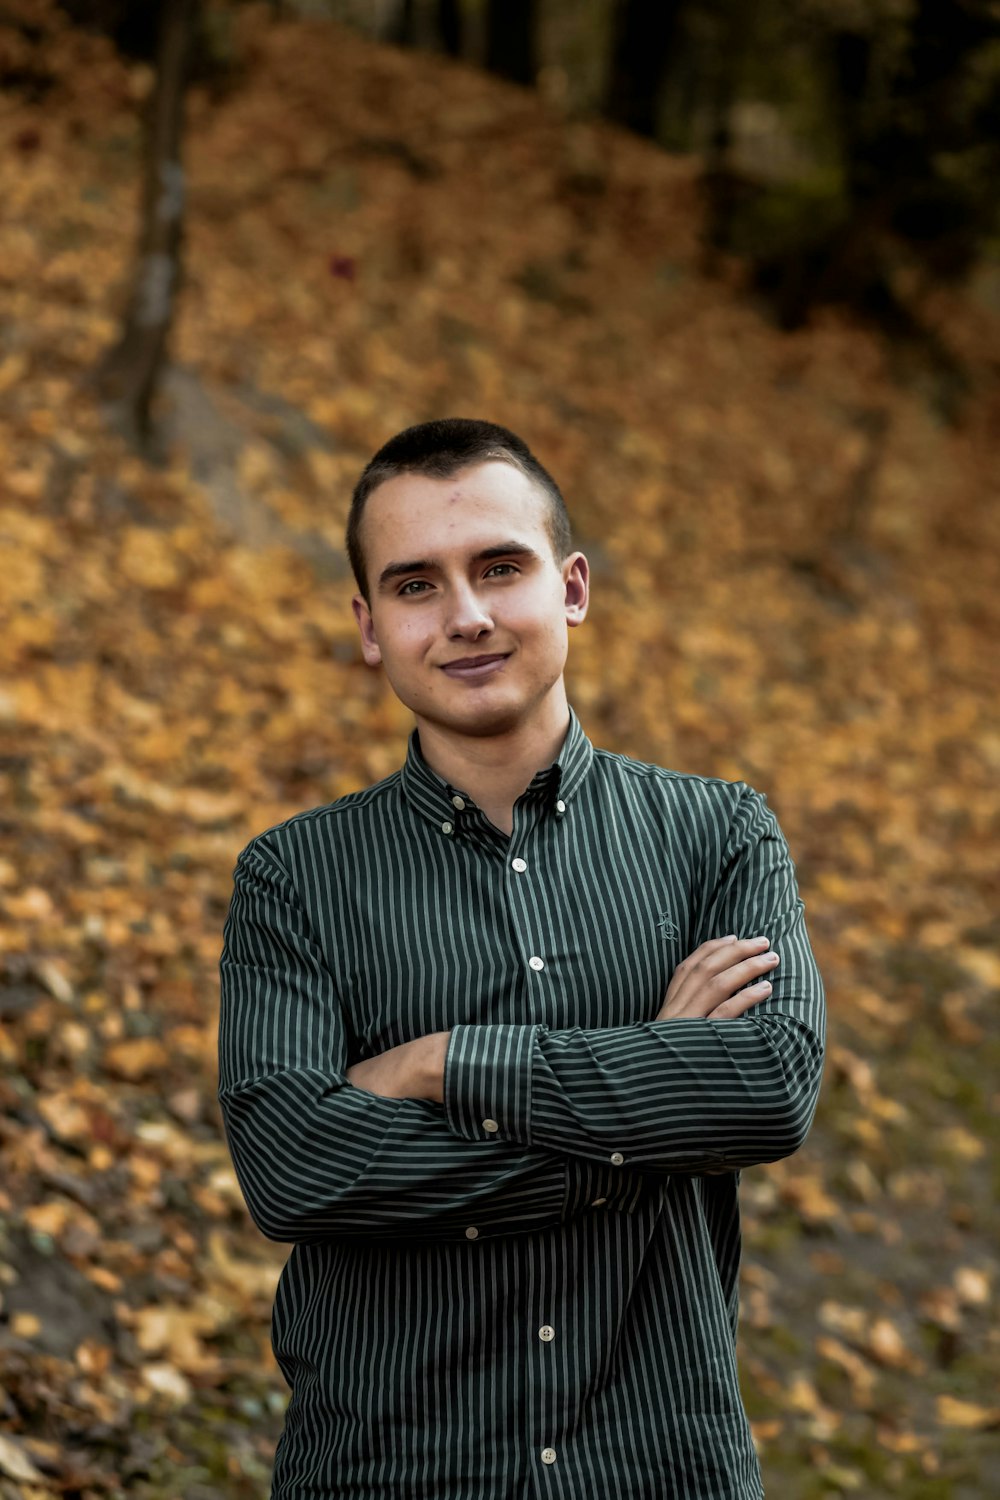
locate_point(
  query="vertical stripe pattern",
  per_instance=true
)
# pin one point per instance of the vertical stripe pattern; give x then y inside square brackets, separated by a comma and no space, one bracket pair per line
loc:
[530,1290]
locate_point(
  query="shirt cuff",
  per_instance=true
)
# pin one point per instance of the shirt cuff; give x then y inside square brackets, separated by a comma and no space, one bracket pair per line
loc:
[487,1082]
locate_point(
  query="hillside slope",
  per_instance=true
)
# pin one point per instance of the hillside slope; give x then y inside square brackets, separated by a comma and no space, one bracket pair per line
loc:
[797,583]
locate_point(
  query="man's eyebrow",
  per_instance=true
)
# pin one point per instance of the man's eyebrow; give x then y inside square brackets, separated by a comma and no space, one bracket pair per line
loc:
[428,564]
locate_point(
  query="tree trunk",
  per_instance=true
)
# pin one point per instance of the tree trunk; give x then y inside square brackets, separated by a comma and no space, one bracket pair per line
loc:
[128,375]
[510,40]
[450,26]
[643,33]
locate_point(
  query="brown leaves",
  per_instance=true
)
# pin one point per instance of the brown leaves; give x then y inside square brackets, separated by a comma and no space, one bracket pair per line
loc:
[136,1058]
[181,670]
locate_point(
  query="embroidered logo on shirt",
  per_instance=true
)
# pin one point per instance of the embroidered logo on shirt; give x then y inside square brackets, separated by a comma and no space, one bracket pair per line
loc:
[667,927]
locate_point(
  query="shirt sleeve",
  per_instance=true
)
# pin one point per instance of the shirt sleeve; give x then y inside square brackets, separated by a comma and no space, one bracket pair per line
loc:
[317,1158]
[679,1095]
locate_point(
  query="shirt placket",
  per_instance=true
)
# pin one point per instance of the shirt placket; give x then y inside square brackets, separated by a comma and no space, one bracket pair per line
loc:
[523,887]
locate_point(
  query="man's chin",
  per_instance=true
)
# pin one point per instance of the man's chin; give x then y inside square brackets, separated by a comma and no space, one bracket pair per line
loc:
[480,720]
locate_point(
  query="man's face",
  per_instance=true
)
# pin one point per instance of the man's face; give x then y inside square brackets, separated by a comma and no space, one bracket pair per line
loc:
[469,607]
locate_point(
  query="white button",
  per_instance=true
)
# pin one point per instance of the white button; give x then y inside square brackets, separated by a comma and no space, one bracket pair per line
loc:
[519,865]
[546,1334]
[471,1233]
[446,827]
[616,1158]
[548,1455]
[597,1202]
[536,964]
[491,1126]
[458,802]
[560,806]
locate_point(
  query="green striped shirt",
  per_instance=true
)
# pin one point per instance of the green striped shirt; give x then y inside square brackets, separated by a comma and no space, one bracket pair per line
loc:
[530,1290]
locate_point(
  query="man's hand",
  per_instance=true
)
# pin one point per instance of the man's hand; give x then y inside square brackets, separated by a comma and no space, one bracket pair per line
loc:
[413,1070]
[710,981]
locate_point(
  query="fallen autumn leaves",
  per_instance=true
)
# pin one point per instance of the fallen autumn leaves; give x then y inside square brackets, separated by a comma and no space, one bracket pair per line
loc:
[775,599]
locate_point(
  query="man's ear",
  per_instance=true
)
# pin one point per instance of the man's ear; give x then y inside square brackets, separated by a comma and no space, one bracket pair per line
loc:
[369,645]
[576,580]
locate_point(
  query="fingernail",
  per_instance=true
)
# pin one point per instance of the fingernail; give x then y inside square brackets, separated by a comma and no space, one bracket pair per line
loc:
[764,986]
[730,937]
[772,958]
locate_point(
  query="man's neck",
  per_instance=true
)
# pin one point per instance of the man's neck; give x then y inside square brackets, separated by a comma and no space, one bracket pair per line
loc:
[494,770]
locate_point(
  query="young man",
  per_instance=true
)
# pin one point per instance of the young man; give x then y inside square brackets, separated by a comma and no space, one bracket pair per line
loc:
[498,1035]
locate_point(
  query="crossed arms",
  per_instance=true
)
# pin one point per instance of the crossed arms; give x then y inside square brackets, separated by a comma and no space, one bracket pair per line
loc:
[395,1147]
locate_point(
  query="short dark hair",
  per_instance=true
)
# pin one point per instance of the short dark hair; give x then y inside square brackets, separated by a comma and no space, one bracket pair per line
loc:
[439,450]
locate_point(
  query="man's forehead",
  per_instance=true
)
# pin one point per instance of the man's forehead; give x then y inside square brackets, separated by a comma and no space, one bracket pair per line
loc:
[465,509]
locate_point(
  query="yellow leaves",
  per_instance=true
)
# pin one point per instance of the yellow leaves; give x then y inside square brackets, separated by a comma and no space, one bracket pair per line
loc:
[48,1218]
[940,1306]
[177,1331]
[858,1370]
[843,1319]
[960,1144]
[15,1463]
[972,1286]
[254,1280]
[136,1058]
[166,1380]
[982,964]
[198,806]
[878,1338]
[176,689]
[946,1306]
[807,1194]
[147,559]
[886,1345]
[801,1396]
[31,904]
[952,1412]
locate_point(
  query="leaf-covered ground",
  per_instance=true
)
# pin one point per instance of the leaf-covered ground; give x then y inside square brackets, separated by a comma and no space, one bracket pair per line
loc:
[797,583]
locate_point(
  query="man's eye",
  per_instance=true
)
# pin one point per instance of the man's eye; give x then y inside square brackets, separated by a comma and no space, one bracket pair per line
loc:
[500,567]
[414,586]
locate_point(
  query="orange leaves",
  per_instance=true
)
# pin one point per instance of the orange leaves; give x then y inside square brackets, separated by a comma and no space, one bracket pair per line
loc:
[136,1058]
[953,1412]
[181,669]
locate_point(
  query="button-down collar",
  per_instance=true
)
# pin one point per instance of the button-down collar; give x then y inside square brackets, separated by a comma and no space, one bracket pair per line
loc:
[555,786]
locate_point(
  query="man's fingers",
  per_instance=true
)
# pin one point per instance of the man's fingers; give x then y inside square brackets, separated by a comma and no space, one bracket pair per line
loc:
[714,973]
[739,1004]
[714,961]
[718,954]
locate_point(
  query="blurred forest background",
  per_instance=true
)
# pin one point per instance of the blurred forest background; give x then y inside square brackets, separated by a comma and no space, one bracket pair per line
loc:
[734,272]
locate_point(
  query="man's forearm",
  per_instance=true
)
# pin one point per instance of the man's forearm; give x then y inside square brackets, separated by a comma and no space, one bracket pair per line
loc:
[415,1069]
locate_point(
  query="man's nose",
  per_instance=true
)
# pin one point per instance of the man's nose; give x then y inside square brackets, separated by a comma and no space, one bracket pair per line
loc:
[467,617]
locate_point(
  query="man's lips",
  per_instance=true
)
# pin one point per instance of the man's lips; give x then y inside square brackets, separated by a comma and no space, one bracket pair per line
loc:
[475,666]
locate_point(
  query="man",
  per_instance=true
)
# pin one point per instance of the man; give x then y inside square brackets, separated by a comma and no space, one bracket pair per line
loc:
[497,1036]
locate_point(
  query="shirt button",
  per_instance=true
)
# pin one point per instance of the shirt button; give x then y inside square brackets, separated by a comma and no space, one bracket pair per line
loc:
[548,1455]
[458,802]
[446,827]
[560,807]
[472,1233]
[536,964]
[491,1126]
[520,865]
[597,1202]
[616,1158]
[546,1334]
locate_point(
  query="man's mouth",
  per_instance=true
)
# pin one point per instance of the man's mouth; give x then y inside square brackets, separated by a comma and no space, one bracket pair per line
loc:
[474,668]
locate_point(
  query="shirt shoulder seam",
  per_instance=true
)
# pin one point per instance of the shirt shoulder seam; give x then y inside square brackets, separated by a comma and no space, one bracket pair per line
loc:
[350,802]
[647,771]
